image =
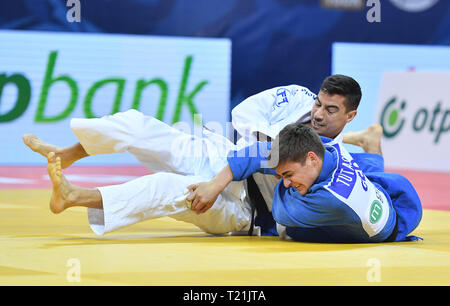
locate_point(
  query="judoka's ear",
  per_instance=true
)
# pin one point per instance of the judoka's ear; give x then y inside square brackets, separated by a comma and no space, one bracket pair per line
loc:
[350,115]
[312,157]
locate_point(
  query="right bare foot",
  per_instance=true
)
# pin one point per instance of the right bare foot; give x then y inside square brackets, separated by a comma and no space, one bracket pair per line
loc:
[65,194]
[43,148]
[369,139]
[61,187]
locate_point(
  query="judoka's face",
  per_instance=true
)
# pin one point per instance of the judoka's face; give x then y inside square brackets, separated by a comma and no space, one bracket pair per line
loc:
[329,115]
[298,175]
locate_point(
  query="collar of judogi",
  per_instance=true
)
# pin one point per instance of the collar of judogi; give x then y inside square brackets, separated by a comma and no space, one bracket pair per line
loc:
[328,166]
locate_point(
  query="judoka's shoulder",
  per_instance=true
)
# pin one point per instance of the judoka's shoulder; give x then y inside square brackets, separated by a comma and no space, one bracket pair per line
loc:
[319,195]
[318,207]
[301,91]
[293,90]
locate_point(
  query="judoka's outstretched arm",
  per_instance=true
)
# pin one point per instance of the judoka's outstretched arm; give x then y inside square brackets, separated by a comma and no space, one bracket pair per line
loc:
[241,164]
[205,194]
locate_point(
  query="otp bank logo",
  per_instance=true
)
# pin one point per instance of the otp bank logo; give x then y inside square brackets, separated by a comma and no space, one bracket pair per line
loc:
[396,118]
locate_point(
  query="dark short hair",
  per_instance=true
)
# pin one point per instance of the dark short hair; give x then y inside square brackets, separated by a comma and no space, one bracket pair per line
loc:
[345,86]
[293,144]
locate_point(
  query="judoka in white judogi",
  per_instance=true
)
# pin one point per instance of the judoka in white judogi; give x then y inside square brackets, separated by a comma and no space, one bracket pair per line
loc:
[180,159]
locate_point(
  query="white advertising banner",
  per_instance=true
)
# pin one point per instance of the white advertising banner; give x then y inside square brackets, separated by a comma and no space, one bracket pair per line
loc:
[414,110]
[47,78]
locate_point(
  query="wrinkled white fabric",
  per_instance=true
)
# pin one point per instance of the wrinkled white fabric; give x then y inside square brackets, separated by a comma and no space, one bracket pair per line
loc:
[177,160]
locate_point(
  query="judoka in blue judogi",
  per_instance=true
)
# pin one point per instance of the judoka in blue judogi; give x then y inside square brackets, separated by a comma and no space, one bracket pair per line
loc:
[351,199]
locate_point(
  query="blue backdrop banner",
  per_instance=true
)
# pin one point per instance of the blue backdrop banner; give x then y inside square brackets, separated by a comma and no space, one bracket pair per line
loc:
[274,42]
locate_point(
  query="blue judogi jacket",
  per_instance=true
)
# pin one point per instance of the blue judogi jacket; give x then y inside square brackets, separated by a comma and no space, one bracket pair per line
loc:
[353,200]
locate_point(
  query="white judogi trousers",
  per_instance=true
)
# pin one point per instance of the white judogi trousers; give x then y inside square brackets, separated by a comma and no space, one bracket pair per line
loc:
[177,160]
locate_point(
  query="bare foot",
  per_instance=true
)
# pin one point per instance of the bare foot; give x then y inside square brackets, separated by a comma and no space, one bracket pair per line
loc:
[67,195]
[61,188]
[369,139]
[43,148]
[39,146]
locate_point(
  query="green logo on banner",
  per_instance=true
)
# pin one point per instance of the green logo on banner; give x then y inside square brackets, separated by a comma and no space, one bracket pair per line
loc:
[184,97]
[434,121]
[23,95]
[376,210]
[391,120]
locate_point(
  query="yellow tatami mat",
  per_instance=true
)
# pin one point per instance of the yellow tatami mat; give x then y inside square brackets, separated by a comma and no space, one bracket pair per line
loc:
[39,248]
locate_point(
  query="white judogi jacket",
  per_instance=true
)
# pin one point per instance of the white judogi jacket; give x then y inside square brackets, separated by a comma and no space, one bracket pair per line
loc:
[269,111]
